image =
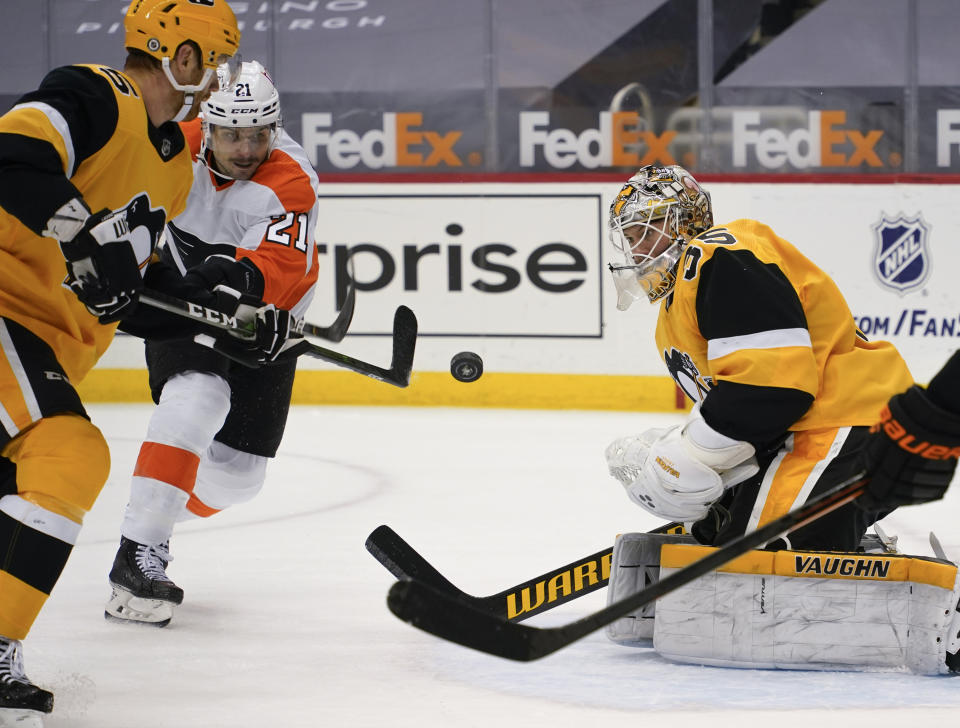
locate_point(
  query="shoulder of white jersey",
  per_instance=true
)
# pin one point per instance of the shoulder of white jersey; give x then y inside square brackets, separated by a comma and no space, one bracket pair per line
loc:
[287,172]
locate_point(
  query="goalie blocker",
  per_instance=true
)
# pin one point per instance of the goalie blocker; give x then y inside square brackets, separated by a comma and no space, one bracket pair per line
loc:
[800,610]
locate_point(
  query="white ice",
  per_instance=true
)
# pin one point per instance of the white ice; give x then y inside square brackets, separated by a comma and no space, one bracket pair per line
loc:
[285,622]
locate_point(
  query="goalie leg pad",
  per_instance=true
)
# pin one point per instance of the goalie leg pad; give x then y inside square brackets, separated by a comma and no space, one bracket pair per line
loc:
[635,566]
[810,611]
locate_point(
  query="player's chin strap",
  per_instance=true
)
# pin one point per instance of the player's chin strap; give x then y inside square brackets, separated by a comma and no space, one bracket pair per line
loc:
[189,90]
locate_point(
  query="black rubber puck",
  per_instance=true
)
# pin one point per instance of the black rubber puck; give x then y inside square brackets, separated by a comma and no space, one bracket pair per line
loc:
[466,366]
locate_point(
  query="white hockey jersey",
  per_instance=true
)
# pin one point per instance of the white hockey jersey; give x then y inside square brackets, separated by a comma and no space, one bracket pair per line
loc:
[270,219]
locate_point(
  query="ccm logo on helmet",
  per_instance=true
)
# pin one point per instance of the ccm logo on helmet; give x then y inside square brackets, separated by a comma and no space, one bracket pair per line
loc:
[898,433]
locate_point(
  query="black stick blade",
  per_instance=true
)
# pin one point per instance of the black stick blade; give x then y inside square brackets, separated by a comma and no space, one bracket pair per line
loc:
[404,344]
[338,329]
[404,561]
[447,617]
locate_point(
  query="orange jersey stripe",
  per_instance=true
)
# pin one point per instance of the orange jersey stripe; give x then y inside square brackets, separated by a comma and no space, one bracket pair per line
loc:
[198,508]
[172,465]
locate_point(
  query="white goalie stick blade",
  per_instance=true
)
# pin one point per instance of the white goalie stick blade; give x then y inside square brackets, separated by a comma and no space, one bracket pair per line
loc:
[442,614]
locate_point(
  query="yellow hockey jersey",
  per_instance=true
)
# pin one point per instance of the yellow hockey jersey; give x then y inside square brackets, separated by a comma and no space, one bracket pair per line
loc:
[766,342]
[83,133]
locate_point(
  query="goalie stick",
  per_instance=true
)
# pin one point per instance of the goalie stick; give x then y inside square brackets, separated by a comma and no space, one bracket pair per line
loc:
[441,614]
[530,597]
[404,338]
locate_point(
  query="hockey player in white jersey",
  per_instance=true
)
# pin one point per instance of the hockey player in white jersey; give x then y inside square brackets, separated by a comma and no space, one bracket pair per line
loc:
[248,228]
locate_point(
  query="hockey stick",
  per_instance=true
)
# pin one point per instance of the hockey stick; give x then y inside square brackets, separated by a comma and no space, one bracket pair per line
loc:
[583,575]
[401,363]
[404,338]
[225,322]
[530,597]
[434,611]
[338,329]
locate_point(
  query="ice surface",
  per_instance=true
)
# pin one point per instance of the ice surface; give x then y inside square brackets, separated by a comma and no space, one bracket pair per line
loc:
[285,624]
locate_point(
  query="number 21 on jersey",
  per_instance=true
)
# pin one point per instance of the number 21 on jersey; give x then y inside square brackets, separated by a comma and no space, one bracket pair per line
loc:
[287,228]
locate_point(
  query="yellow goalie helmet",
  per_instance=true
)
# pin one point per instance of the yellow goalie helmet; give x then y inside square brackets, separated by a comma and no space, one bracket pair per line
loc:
[655,214]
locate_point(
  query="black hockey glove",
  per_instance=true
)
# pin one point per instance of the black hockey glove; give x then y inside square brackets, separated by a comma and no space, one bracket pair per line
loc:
[264,334]
[911,454]
[102,268]
[221,270]
[275,328]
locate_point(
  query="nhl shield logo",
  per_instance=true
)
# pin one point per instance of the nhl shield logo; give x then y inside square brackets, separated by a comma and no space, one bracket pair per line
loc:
[902,259]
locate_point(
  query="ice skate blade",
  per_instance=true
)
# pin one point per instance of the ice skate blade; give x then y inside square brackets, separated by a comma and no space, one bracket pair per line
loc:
[123,606]
[17,718]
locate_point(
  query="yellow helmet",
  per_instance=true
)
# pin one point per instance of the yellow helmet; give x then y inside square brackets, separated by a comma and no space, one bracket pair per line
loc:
[158,27]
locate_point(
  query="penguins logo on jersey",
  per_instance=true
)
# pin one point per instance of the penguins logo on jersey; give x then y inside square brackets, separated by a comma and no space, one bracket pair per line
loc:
[902,258]
[686,375]
[146,226]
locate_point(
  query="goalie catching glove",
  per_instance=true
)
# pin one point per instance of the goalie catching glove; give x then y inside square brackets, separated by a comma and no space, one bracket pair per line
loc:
[678,472]
[102,268]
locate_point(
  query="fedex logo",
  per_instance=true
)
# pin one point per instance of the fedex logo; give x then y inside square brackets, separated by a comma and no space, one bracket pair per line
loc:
[614,143]
[401,141]
[948,135]
[825,142]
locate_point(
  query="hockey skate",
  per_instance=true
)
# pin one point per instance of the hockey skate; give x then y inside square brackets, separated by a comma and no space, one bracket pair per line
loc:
[142,591]
[21,702]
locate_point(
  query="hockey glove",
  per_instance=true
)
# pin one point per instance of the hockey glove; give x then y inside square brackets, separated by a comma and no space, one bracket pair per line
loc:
[263,335]
[276,331]
[679,472]
[242,275]
[102,268]
[911,454]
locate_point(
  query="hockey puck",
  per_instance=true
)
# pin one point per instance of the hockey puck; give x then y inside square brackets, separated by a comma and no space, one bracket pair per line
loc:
[466,366]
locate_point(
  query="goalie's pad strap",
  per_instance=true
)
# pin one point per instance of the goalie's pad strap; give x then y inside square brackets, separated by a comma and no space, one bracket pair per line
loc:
[809,610]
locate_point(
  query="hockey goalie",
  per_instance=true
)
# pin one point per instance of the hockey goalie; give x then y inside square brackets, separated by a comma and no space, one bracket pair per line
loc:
[785,390]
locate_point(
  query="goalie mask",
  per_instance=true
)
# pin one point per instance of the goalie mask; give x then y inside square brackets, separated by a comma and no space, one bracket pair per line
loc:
[653,217]
[240,122]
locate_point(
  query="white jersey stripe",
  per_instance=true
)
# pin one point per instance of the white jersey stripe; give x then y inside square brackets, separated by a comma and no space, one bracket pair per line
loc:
[804,493]
[774,339]
[767,483]
[40,519]
[10,351]
[818,469]
[7,421]
[60,124]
